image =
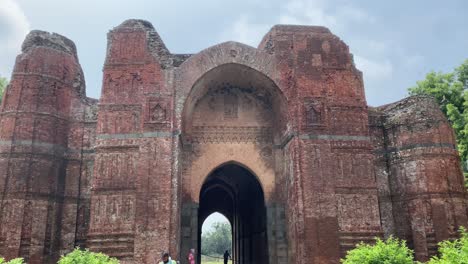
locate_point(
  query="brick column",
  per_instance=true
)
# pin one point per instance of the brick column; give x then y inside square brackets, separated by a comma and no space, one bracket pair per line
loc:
[34,127]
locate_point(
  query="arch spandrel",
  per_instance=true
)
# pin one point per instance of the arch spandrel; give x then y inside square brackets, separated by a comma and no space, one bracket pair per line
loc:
[246,156]
[224,53]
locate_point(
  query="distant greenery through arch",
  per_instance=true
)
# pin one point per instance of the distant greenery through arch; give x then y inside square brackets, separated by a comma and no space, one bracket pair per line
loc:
[216,237]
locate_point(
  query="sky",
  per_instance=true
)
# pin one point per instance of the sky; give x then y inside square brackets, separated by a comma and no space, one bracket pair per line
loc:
[211,220]
[394,43]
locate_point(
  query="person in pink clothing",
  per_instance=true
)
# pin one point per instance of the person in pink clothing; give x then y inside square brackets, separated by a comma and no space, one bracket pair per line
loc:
[191,256]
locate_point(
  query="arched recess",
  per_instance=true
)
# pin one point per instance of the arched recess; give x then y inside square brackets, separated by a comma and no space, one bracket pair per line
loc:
[191,72]
[235,192]
[233,112]
[233,81]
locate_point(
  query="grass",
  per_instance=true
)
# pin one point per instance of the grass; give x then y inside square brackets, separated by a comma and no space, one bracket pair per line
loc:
[215,262]
[208,260]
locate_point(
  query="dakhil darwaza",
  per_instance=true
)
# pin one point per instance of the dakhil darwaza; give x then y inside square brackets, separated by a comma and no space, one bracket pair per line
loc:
[277,138]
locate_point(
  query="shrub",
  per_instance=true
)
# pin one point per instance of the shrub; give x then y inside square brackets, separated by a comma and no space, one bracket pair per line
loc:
[453,252]
[13,261]
[390,251]
[79,256]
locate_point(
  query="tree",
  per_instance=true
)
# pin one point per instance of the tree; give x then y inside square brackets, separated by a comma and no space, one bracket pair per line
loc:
[217,241]
[13,261]
[3,85]
[79,256]
[453,251]
[450,90]
[390,251]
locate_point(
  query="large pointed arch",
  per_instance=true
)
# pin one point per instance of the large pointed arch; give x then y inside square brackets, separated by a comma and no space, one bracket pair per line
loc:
[233,190]
[233,116]
[199,68]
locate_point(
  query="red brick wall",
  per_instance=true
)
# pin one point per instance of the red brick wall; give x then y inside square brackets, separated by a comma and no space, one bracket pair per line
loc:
[41,129]
[425,182]
[335,203]
[132,190]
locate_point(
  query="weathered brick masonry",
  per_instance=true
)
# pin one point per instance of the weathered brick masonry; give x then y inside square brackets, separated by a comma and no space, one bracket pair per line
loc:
[278,138]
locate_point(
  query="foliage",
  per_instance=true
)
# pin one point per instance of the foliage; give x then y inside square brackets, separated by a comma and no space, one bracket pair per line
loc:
[13,261]
[79,256]
[3,85]
[453,252]
[390,251]
[217,241]
[451,93]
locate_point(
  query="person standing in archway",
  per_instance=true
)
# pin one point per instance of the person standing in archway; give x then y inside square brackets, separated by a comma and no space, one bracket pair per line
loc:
[227,256]
[191,256]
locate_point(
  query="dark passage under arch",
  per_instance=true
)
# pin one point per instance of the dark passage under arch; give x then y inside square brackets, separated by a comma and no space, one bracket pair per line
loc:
[236,193]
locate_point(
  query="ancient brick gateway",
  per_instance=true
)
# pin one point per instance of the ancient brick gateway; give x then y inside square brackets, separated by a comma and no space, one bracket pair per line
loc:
[278,138]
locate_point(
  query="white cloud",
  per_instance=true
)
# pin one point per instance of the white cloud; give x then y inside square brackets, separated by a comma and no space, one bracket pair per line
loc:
[354,14]
[308,12]
[299,12]
[245,32]
[330,14]
[413,61]
[377,46]
[372,69]
[13,28]
[371,55]
[337,17]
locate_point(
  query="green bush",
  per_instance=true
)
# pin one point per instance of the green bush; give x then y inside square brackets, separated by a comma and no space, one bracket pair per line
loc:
[79,256]
[390,251]
[453,252]
[13,261]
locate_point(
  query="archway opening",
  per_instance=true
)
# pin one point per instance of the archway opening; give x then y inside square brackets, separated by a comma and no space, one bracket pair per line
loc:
[216,238]
[235,192]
